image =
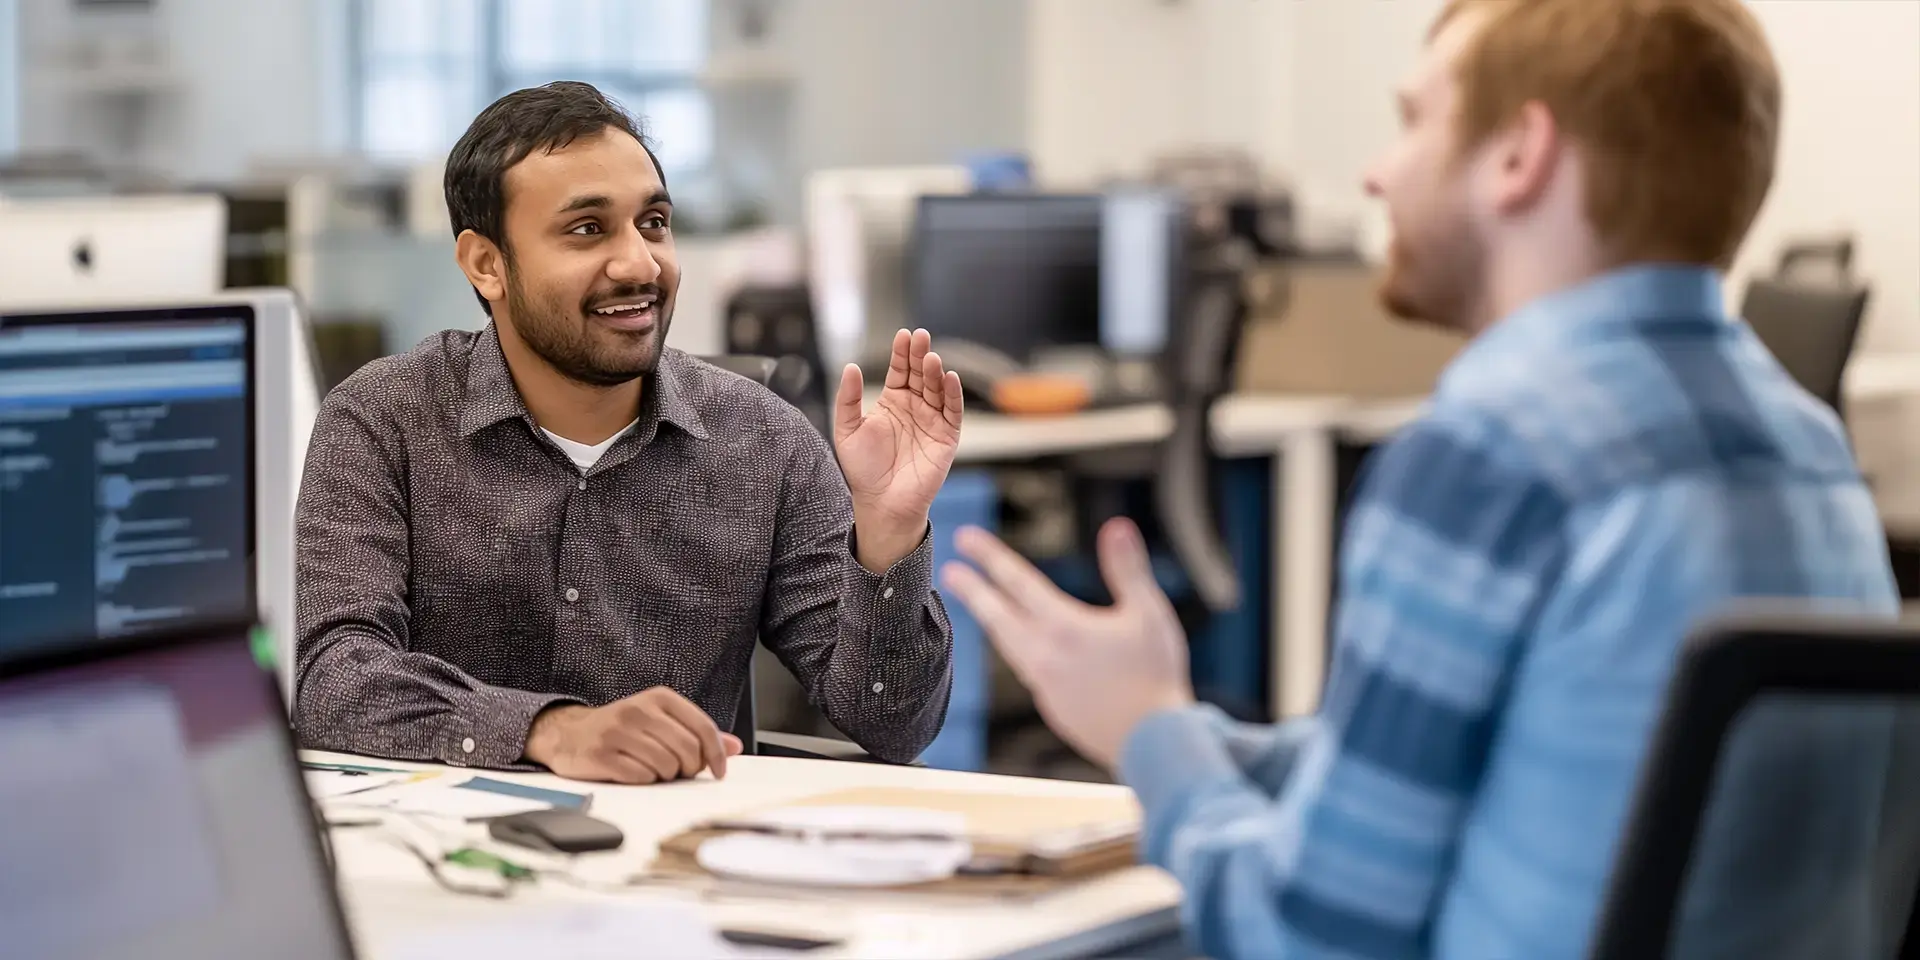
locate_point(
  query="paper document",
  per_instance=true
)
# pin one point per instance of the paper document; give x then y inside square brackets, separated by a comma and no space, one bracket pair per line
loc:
[441,798]
[841,846]
[608,931]
[324,784]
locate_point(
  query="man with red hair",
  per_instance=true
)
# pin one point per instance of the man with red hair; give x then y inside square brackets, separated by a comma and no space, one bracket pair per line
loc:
[1610,459]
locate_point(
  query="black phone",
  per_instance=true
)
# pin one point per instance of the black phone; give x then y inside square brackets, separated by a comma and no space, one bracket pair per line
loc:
[558,830]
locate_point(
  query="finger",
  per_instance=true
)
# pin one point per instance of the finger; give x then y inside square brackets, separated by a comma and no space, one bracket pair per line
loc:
[696,722]
[934,376]
[918,345]
[1008,627]
[1010,572]
[731,745]
[847,411]
[1126,566]
[897,363]
[955,403]
[684,743]
[617,767]
[656,755]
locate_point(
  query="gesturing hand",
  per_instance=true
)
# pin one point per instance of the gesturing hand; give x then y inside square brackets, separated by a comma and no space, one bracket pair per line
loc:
[653,736]
[1095,672]
[896,457]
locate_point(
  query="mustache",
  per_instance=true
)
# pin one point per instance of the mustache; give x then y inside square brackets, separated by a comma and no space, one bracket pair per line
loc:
[628,291]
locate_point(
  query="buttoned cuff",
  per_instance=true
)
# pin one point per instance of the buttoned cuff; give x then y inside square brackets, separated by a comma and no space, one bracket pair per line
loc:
[890,604]
[490,729]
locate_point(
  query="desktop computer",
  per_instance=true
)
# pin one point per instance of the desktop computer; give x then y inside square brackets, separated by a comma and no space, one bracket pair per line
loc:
[1014,273]
[56,252]
[154,805]
[150,461]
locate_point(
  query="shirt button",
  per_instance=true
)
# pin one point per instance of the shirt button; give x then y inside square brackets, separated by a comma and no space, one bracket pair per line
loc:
[878,686]
[583,483]
[466,746]
[886,594]
[572,594]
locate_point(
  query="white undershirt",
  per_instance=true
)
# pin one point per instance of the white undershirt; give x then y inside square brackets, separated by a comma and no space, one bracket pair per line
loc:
[584,455]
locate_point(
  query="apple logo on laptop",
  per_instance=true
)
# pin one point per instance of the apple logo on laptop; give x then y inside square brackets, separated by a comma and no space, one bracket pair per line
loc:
[83,256]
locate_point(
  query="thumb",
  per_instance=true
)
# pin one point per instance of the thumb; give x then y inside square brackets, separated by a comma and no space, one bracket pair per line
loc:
[847,412]
[731,744]
[1124,565]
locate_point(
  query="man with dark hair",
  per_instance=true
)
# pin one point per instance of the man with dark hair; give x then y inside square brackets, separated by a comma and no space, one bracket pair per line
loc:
[555,541]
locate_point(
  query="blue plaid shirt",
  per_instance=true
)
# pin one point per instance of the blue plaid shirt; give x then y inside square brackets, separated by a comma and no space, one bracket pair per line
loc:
[1595,474]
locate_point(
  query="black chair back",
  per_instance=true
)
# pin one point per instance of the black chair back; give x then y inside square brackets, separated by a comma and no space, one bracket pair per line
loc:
[1778,811]
[1215,316]
[778,322]
[1808,314]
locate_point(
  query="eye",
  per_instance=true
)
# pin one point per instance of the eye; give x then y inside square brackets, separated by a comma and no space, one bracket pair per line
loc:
[586,228]
[654,221]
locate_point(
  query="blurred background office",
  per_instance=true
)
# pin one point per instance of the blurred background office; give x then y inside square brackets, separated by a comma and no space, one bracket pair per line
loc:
[1135,225]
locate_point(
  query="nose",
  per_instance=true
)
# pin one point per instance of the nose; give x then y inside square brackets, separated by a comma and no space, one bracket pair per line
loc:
[634,261]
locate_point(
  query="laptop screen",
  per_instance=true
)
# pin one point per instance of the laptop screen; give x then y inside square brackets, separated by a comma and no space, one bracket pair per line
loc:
[154,809]
[126,472]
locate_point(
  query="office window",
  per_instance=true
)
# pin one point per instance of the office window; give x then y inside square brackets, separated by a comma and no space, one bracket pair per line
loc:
[9,77]
[423,68]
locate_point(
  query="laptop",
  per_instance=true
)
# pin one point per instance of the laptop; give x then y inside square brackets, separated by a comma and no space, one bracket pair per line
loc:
[78,251]
[127,472]
[153,806]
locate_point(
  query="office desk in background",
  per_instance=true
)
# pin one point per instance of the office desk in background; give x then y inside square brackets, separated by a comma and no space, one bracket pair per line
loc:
[1303,433]
[390,899]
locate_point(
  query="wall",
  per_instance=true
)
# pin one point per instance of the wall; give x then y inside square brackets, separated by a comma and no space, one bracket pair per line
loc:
[247,85]
[1113,83]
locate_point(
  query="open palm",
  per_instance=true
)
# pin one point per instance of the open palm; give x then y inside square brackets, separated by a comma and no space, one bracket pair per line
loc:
[897,455]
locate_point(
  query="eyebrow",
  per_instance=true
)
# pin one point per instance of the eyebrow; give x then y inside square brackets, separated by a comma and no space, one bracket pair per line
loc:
[595,201]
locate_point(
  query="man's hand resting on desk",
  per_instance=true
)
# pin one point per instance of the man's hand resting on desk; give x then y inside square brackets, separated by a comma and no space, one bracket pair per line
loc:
[651,737]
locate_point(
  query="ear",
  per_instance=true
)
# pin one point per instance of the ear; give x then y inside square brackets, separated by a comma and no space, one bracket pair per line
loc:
[1525,159]
[483,263]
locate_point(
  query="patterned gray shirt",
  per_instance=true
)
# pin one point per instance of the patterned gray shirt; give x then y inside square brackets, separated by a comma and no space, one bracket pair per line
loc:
[458,574]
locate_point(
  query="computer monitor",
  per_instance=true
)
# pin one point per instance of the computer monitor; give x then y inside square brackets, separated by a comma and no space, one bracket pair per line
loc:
[154,806]
[1012,272]
[859,224]
[56,252]
[285,398]
[126,471]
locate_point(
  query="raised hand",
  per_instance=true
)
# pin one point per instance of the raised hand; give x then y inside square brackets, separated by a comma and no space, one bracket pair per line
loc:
[1095,672]
[896,456]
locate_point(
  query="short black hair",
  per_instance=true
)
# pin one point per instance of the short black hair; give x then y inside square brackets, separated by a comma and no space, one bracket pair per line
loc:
[547,117]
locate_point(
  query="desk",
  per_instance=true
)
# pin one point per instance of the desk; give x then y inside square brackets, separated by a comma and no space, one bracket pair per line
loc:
[1300,432]
[389,897]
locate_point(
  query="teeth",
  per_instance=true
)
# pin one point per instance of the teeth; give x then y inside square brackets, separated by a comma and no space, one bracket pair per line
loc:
[624,308]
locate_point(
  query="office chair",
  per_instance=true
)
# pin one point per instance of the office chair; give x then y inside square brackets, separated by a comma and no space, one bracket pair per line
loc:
[1766,719]
[754,741]
[769,321]
[1810,323]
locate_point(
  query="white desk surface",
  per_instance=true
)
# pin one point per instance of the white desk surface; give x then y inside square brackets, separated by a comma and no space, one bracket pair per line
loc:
[389,897]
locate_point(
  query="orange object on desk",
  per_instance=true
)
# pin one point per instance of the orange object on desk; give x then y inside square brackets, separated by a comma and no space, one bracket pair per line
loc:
[1041,395]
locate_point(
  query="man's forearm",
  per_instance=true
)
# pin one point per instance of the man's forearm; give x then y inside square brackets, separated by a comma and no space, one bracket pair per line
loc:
[880,543]
[891,672]
[357,694]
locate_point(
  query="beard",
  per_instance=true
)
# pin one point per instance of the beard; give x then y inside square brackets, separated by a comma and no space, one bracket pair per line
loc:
[568,340]
[1437,275]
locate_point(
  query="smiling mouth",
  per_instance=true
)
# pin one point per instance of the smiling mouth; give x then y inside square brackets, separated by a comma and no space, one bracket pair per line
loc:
[635,315]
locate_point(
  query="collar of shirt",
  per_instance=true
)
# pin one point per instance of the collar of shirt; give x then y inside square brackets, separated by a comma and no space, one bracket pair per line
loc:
[1625,295]
[491,396]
